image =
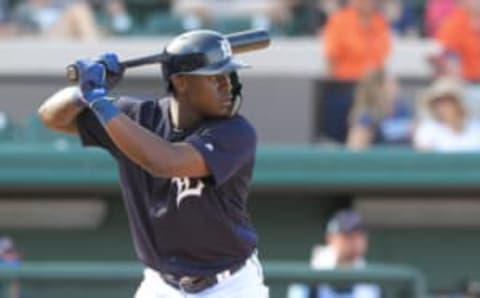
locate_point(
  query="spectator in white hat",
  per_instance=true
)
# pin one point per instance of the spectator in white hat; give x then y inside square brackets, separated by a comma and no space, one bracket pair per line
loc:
[448,127]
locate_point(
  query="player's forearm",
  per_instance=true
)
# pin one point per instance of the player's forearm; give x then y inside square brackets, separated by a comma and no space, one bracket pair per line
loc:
[59,112]
[152,153]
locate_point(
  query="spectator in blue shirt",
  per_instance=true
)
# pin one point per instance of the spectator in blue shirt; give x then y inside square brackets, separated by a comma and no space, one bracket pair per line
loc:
[379,115]
[402,18]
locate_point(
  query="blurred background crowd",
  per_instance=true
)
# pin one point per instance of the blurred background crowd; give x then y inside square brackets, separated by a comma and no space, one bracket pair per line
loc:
[90,18]
[364,102]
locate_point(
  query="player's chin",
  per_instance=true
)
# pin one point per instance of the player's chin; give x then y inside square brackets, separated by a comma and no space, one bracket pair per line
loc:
[221,111]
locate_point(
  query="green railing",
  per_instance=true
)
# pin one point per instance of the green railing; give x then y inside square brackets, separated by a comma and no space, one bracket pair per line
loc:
[65,165]
[76,279]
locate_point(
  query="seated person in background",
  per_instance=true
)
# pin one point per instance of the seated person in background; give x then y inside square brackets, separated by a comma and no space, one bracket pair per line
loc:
[8,254]
[449,128]
[401,17]
[197,14]
[115,18]
[347,244]
[5,27]
[459,35]
[379,115]
[56,19]
[9,257]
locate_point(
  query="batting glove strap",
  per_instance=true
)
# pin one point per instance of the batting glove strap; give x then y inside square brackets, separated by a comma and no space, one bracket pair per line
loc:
[104,109]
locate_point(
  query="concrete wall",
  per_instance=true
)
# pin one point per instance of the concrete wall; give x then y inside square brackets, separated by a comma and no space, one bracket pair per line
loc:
[280,90]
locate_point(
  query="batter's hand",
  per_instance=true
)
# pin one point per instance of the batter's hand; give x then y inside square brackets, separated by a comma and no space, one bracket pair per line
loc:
[92,80]
[114,68]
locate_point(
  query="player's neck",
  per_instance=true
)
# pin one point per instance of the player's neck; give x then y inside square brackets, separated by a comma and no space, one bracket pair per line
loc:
[182,116]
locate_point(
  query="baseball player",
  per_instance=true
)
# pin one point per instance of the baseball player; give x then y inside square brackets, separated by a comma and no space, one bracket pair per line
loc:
[185,164]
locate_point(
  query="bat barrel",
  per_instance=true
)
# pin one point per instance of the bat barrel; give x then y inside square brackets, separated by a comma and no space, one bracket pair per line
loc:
[247,41]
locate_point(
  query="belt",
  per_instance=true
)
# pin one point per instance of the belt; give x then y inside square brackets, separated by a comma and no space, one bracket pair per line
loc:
[197,284]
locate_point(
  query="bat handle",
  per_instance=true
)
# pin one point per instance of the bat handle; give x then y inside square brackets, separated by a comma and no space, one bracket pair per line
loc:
[73,75]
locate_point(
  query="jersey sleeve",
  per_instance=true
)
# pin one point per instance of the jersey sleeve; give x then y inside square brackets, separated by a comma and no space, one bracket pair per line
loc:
[226,146]
[92,132]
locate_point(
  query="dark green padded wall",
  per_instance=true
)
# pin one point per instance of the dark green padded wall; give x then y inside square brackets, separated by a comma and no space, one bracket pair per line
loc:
[110,242]
[288,224]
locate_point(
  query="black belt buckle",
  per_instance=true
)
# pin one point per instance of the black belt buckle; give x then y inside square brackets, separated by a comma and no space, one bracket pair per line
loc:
[194,285]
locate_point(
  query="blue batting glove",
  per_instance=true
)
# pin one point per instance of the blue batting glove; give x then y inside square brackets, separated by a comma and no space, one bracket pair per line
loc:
[92,80]
[115,69]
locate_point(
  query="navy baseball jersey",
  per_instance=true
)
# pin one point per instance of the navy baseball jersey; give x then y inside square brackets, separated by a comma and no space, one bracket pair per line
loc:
[182,225]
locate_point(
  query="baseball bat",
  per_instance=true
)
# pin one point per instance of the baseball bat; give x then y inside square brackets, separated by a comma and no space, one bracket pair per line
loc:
[240,42]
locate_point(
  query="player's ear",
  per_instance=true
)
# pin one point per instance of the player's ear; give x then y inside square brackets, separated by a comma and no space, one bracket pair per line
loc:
[179,83]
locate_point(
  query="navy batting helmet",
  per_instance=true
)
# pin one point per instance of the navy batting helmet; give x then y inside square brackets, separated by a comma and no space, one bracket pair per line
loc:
[202,52]
[199,52]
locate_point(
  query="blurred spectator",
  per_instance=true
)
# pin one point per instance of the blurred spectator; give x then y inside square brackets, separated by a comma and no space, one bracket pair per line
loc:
[444,63]
[115,18]
[436,11]
[379,115]
[460,37]
[326,8]
[449,128]
[262,13]
[7,28]
[356,40]
[9,257]
[8,254]
[347,245]
[401,17]
[57,18]
[3,10]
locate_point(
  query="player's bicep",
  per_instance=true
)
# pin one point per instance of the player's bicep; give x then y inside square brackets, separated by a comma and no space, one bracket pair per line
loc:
[188,162]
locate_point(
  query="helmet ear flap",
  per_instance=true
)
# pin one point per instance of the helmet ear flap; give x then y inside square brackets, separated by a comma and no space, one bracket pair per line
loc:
[237,98]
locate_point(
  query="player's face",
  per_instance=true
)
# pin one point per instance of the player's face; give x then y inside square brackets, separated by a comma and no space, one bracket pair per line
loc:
[210,95]
[349,246]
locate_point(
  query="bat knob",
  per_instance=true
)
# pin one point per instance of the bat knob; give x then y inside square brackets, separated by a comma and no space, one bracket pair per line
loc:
[72,73]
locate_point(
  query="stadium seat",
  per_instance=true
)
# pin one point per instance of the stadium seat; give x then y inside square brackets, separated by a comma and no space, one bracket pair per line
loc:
[161,23]
[6,128]
[233,24]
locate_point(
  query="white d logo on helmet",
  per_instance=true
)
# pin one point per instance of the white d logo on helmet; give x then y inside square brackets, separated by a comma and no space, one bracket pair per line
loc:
[226,48]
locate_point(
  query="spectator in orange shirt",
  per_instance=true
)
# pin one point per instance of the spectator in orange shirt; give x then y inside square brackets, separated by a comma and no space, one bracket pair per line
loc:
[356,40]
[460,38]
